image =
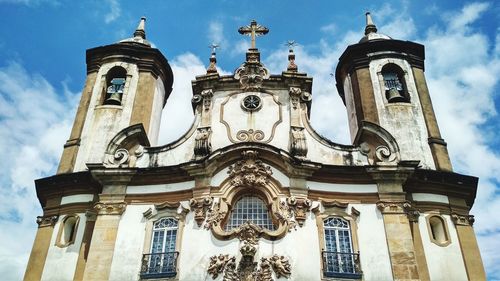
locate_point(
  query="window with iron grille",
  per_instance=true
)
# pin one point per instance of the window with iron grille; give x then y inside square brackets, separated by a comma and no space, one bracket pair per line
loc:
[250,208]
[339,260]
[162,260]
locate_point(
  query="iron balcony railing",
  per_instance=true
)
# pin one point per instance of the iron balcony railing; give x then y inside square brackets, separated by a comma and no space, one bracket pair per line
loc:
[159,265]
[341,265]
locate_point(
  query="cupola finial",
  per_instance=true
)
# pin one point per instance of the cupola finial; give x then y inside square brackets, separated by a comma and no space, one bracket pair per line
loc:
[292,67]
[140,31]
[370,26]
[213,59]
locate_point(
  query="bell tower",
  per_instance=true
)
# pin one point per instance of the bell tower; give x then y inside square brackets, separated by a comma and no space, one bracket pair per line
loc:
[381,80]
[127,83]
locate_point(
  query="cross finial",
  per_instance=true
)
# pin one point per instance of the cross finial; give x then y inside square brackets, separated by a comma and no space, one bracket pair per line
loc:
[214,46]
[370,26]
[290,44]
[253,30]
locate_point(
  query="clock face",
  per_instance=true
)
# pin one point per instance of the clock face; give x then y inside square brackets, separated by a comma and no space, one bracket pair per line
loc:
[251,103]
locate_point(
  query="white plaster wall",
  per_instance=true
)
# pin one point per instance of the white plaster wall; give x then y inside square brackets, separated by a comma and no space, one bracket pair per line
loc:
[60,264]
[154,124]
[340,187]
[239,119]
[373,251]
[102,122]
[129,244]
[405,121]
[444,263]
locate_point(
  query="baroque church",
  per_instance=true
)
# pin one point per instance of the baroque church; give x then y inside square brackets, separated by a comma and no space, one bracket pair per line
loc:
[251,191]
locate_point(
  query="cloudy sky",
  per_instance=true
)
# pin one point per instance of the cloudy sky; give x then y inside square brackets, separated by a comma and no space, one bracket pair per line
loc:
[42,71]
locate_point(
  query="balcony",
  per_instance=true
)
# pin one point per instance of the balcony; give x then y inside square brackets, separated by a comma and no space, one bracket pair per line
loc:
[341,265]
[159,265]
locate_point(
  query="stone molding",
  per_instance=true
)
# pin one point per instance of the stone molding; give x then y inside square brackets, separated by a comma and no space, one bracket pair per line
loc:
[110,208]
[44,221]
[299,207]
[389,207]
[202,143]
[462,219]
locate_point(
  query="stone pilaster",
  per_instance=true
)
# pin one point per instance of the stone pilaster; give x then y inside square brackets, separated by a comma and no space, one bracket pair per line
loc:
[103,240]
[423,271]
[468,246]
[41,245]
[399,240]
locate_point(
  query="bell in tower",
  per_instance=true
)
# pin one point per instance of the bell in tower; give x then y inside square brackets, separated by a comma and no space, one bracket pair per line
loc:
[381,80]
[127,83]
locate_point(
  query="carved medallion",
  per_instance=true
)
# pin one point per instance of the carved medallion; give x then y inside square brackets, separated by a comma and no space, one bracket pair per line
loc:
[200,207]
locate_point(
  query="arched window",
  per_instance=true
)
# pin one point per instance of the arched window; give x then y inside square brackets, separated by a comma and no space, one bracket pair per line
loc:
[162,260]
[438,231]
[338,257]
[394,84]
[67,231]
[115,84]
[252,209]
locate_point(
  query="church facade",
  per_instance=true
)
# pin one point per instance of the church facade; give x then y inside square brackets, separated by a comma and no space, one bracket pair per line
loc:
[251,191]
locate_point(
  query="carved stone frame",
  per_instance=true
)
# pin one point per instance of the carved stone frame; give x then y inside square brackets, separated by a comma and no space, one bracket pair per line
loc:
[163,210]
[445,228]
[334,208]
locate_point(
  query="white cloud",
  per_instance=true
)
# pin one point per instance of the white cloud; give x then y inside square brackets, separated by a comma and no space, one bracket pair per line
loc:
[216,34]
[31,3]
[115,11]
[35,121]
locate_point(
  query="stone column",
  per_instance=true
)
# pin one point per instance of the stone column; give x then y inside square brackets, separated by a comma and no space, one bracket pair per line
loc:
[41,245]
[103,240]
[468,246]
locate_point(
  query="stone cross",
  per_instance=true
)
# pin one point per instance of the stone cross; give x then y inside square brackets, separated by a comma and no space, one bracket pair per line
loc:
[253,30]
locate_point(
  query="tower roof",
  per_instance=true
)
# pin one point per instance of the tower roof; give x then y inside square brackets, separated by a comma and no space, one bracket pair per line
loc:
[139,34]
[371,31]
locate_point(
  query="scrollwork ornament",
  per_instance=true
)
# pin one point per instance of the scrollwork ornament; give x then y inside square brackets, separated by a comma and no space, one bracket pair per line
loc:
[295,94]
[250,135]
[200,207]
[285,215]
[281,266]
[207,98]
[384,154]
[217,264]
[119,158]
[215,216]
[306,96]
[196,99]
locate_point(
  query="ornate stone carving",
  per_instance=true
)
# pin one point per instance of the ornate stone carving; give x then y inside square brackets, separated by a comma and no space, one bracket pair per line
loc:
[285,215]
[217,264]
[252,73]
[265,271]
[200,207]
[384,154]
[44,221]
[205,96]
[299,207]
[387,207]
[462,219]
[281,266]
[250,135]
[122,157]
[412,214]
[298,145]
[110,208]
[230,273]
[215,216]
[250,171]
[202,145]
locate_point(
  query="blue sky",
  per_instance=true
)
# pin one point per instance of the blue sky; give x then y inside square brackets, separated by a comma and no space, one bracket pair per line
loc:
[42,71]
